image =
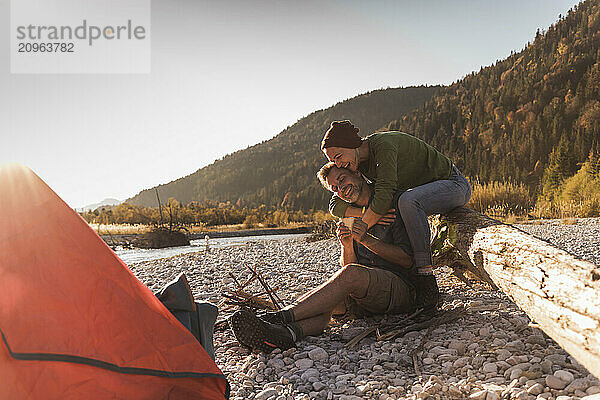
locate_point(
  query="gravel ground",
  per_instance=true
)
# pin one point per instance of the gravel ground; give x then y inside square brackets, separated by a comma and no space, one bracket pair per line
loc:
[577,236]
[493,352]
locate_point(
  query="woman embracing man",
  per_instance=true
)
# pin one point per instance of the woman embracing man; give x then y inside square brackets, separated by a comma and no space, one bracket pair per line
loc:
[411,180]
[384,186]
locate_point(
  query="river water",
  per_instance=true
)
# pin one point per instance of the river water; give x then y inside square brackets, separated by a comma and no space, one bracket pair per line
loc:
[130,256]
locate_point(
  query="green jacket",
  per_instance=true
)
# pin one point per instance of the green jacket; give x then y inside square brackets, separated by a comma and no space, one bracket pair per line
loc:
[397,161]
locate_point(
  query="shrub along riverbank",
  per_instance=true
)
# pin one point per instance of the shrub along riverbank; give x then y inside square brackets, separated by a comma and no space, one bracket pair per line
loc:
[559,196]
[195,217]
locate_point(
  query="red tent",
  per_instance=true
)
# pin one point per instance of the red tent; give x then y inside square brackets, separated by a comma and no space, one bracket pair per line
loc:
[75,322]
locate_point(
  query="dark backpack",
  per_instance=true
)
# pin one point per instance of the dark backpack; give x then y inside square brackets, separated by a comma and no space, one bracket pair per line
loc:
[198,317]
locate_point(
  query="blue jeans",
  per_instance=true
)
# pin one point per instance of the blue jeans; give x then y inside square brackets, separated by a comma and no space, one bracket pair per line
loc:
[438,197]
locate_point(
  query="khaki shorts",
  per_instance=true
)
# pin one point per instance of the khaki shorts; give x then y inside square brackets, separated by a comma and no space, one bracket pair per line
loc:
[387,293]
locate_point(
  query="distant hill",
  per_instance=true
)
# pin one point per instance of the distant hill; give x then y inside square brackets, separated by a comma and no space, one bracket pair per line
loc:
[103,203]
[282,169]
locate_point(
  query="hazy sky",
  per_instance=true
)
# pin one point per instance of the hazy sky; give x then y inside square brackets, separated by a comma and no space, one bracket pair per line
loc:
[229,74]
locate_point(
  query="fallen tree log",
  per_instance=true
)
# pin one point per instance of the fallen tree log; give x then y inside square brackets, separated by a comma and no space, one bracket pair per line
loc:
[558,291]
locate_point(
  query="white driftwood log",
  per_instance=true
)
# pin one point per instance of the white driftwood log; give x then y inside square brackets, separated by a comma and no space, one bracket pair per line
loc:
[558,291]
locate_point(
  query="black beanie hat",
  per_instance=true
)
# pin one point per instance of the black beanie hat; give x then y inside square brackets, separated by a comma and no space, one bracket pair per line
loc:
[341,134]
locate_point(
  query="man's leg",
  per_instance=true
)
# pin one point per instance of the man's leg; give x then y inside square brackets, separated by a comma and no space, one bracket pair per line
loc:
[309,316]
[387,294]
[375,290]
[314,326]
[353,280]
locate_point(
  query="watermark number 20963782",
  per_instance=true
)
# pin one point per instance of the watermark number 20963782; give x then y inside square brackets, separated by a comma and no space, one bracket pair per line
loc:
[24,47]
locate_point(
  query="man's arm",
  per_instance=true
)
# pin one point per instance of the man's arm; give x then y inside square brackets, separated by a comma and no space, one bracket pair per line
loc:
[344,235]
[348,256]
[387,251]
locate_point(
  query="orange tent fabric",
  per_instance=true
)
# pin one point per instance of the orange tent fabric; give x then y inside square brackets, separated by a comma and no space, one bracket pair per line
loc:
[75,322]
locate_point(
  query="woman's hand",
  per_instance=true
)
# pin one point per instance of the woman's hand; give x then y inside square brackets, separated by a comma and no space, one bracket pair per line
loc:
[387,219]
[344,234]
[371,218]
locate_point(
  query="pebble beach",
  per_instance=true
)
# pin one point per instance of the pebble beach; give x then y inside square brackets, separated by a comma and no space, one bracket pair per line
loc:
[492,352]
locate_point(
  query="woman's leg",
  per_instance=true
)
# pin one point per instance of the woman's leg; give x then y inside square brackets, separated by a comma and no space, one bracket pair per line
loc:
[437,197]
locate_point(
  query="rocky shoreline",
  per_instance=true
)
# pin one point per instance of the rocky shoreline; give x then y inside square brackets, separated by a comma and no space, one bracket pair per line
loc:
[493,352]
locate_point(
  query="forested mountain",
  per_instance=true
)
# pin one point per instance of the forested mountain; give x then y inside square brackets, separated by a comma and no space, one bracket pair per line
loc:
[281,171]
[532,118]
[535,113]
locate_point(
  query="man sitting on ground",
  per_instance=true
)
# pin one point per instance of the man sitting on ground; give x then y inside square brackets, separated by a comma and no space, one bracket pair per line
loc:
[376,277]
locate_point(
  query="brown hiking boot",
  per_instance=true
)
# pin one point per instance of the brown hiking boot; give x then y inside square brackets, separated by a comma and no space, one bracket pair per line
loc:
[254,333]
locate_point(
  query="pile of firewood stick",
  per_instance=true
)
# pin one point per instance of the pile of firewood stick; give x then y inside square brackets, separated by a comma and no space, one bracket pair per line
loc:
[241,297]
